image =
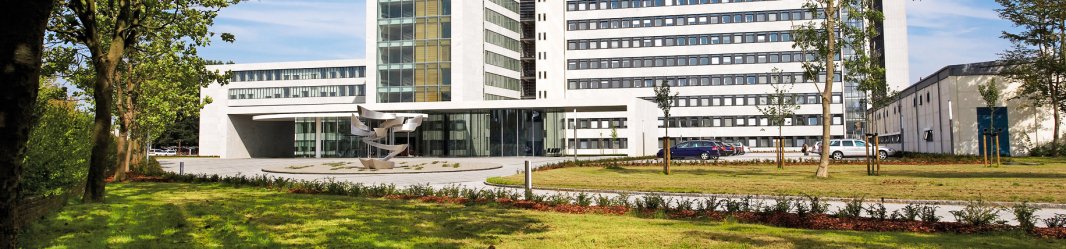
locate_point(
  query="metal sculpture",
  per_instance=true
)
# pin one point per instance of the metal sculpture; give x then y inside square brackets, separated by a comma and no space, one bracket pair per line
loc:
[391,124]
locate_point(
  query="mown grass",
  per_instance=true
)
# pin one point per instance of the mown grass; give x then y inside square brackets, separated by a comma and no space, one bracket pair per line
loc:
[170,215]
[1040,183]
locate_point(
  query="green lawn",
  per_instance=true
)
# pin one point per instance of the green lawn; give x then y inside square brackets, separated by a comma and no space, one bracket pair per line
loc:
[162,215]
[1043,183]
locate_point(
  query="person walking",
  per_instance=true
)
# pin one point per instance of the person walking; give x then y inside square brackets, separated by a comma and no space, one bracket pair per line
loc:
[804,150]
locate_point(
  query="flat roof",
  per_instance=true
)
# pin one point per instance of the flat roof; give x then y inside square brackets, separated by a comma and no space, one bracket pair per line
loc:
[287,65]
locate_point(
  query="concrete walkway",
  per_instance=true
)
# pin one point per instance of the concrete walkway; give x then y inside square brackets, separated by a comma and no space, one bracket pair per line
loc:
[513,165]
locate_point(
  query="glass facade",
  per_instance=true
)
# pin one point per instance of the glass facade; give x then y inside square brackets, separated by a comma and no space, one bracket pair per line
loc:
[298,74]
[509,132]
[414,51]
[297,92]
[337,140]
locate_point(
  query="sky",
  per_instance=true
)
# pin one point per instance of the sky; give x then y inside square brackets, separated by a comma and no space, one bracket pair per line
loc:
[940,32]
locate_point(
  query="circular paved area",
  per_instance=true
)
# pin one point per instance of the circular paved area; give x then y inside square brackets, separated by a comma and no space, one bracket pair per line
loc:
[403,166]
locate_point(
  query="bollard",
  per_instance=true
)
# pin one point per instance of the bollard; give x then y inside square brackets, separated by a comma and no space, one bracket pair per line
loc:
[181,168]
[529,181]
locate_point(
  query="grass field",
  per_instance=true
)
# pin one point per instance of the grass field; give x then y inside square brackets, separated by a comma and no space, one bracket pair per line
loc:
[1043,183]
[166,215]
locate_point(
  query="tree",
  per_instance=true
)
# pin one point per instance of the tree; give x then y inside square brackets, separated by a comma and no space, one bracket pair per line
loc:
[782,105]
[614,138]
[22,28]
[825,49]
[990,93]
[159,84]
[665,101]
[106,30]
[1038,57]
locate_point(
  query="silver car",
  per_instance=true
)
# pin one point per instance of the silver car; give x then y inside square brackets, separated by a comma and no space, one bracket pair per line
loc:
[841,148]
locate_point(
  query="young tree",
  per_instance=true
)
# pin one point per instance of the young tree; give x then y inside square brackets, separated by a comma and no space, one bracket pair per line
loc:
[990,93]
[22,26]
[781,106]
[614,138]
[1038,57]
[827,49]
[665,101]
[106,30]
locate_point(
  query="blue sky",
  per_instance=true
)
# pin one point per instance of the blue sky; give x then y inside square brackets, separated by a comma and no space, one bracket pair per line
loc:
[940,32]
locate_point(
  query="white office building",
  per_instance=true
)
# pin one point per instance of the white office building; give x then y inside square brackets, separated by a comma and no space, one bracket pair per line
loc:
[510,78]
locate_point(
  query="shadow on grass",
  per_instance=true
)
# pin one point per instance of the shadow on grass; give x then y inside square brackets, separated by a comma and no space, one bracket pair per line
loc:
[960,174]
[205,215]
[688,171]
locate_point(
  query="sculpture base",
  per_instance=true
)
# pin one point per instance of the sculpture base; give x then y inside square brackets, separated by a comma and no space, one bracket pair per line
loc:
[377,164]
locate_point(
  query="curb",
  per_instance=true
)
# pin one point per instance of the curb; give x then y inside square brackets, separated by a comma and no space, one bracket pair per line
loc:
[1042,205]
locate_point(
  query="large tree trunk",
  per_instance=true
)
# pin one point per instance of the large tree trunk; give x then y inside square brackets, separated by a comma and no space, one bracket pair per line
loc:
[120,153]
[22,25]
[827,93]
[1055,117]
[100,160]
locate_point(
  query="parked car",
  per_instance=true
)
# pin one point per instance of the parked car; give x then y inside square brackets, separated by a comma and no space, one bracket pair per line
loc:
[704,150]
[739,148]
[841,148]
[728,149]
[161,152]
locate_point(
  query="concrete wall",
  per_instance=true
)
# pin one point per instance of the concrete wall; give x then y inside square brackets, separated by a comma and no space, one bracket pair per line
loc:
[258,139]
[951,114]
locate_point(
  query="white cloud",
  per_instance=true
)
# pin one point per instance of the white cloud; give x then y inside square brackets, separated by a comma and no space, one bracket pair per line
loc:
[949,32]
[291,30]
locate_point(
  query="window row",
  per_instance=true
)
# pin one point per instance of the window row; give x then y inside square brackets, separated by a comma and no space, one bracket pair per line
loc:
[503,21]
[497,97]
[690,60]
[511,5]
[421,29]
[502,61]
[680,40]
[740,121]
[761,141]
[599,143]
[423,52]
[297,92]
[502,41]
[694,19]
[427,74]
[501,81]
[625,4]
[597,123]
[297,74]
[749,100]
[695,80]
[413,8]
[414,94]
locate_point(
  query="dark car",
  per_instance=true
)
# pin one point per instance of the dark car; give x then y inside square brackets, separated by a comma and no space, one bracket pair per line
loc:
[728,149]
[704,150]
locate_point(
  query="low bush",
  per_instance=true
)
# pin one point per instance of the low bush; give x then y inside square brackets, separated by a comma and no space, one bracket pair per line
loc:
[1046,150]
[851,209]
[877,211]
[978,213]
[1057,221]
[927,213]
[1024,213]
